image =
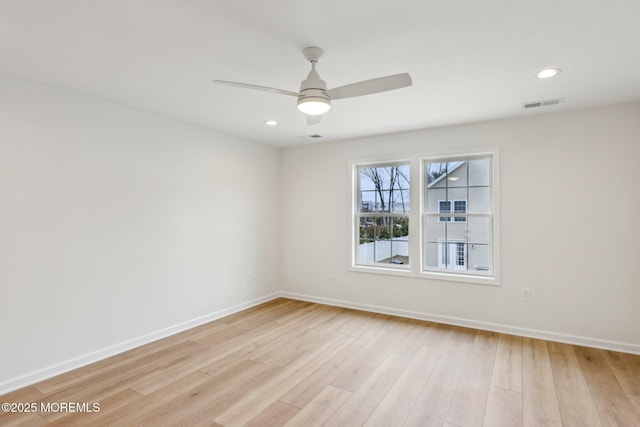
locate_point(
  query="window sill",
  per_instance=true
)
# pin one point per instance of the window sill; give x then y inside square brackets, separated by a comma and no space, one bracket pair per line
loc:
[460,278]
[429,275]
[390,271]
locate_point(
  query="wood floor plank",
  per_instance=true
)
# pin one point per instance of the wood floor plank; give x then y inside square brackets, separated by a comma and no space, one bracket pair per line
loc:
[612,404]
[430,409]
[277,414]
[110,405]
[559,347]
[507,369]
[25,395]
[115,364]
[576,405]
[635,403]
[358,324]
[143,406]
[364,401]
[626,368]
[321,408]
[22,420]
[199,404]
[110,382]
[470,398]
[336,321]
[382,340]
[415,339]
[254,400]
[198,358]
[397,403]
[307,389]
[504,408]
[539,401]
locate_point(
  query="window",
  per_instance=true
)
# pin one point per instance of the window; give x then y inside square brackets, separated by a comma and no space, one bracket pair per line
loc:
[444,207]
[444,228]
[382,216]
[462,240]
[459,206]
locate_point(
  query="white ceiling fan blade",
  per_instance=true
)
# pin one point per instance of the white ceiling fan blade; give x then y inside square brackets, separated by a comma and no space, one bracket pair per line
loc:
[263,88]
[313,120]
[367,87]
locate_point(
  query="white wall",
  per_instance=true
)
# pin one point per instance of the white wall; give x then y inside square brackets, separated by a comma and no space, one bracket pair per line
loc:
[568,211]
[115,223]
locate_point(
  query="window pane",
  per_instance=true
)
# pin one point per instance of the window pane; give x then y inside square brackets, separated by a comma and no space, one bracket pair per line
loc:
[434,229]
[480,258]
[401,228]
[479,172]
[432,202]
[431,255]
[457,174]
[400,201]
[458,193]
[446,174]
[367,200]
[479,200]
[435,172]
[479,230]
[456,230]
[367,228]
[384,201]
[384,188]
[383,240]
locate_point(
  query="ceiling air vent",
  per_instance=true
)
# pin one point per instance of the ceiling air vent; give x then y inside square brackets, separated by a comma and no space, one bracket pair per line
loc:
[545,103]
[314,136]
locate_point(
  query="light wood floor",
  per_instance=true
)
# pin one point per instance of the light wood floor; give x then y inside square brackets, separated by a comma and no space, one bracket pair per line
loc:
[301,364]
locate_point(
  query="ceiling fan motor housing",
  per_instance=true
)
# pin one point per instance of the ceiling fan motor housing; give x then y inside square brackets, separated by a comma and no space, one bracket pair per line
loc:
[313,89]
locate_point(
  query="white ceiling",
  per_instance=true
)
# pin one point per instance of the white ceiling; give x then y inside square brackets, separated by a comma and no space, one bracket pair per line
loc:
[470,60]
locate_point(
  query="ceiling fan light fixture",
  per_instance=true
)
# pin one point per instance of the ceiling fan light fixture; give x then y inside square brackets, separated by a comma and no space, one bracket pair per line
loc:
[314,106]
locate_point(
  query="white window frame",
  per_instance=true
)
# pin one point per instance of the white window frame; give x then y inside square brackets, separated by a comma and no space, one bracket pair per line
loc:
[416,267]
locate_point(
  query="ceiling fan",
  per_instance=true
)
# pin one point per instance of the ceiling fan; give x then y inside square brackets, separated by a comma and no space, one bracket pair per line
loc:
[314,99]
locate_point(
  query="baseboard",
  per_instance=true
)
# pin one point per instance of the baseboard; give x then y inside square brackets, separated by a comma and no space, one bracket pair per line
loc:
[486,326]
[78,362]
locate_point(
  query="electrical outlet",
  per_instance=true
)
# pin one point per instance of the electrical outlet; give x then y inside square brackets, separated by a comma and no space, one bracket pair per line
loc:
[249,276]
[332,274]
[526,294]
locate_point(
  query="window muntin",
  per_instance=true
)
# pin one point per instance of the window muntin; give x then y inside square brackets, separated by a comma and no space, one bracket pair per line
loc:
[462,240]
[382,215]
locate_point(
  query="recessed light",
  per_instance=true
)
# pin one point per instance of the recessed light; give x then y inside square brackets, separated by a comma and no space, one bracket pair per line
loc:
[548,72]
[453,178]
[271,123]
